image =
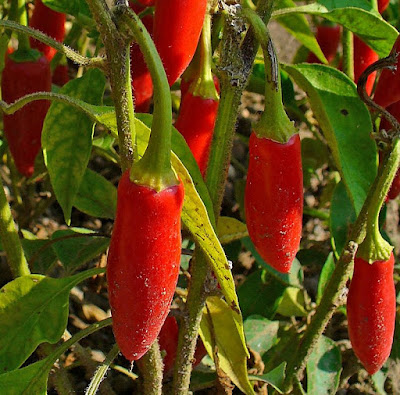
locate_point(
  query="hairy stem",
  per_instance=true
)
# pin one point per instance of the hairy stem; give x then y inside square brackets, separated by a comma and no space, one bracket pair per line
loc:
[151,367]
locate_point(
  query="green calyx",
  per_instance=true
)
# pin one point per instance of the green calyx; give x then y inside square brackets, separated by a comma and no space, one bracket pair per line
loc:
[274,123]
[203,85]
[25,55]
[375,247]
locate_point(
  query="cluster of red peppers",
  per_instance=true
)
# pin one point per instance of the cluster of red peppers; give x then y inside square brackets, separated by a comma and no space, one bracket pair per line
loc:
[28,71]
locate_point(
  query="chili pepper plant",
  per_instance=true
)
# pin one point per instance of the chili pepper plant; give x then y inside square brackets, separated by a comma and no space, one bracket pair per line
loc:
[202,202]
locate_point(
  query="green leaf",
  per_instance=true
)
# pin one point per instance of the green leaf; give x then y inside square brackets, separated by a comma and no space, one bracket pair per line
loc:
[325,276]
[232,353]
[345,122]
[356,16]
[74,251]
[30,380]
[67,138]
[260,294]
[299,27]
[96,196]
[33,310]
[43,259]
[342,215]
[230,229]
[323,368]
[261,333]
[292,303]
[379,379]
[275,377]
[72,7]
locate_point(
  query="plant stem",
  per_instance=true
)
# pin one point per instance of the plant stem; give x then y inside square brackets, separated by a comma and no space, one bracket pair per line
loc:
[151,367]
[154,169]
[118,54]
[334,292]
[18,14]
[68,52]
[348,53]
[236,65]
[10,239]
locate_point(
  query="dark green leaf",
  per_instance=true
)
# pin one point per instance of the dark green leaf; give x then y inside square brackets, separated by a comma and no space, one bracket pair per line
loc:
[346,123]
[326,274]
[261,333]
[67,138]
[33,310]
[75,251]
[342,215]
[323,368]
[72,7]
[356,16]
[260,294]
[96,196]
[44,259]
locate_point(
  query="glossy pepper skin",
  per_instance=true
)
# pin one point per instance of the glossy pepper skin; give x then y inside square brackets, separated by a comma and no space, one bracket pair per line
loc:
[196,121]
[387,89]
[142,84]
[23,129]
[274,199]
[328,38]
[382,5]
[143,263]
[364,56]
[371,312]
[177,28]
[50,22]
[393,109]
[147,3]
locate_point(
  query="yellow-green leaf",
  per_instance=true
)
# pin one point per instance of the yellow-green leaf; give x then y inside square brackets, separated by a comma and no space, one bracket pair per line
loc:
[230,229]
[217,322]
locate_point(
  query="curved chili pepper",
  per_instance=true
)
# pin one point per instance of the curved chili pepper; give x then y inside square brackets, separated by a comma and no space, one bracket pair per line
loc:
[196,121]
[143,263]
[50,22]
[60,75]
[387,89]
[364,56]
[177,28]
[371,312]
[23,129]
[147,3]
[142,84]
[382,5]
[328,38]
[274,199]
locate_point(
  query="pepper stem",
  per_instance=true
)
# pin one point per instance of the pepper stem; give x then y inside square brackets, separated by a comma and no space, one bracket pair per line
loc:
[154,169]
[274,123]
[204,85]
[375,247]
[18,14]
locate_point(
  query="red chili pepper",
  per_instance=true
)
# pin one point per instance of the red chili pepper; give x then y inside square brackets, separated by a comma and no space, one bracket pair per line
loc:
[387,89]
[23,129]
[382,5]
[328,38]
[177,28]
[147,3]
[364,56]
[142,85]
[50,22]
[371,312]
[143,263]
[168,341]
[60,75]
[196,122]
[274,199]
